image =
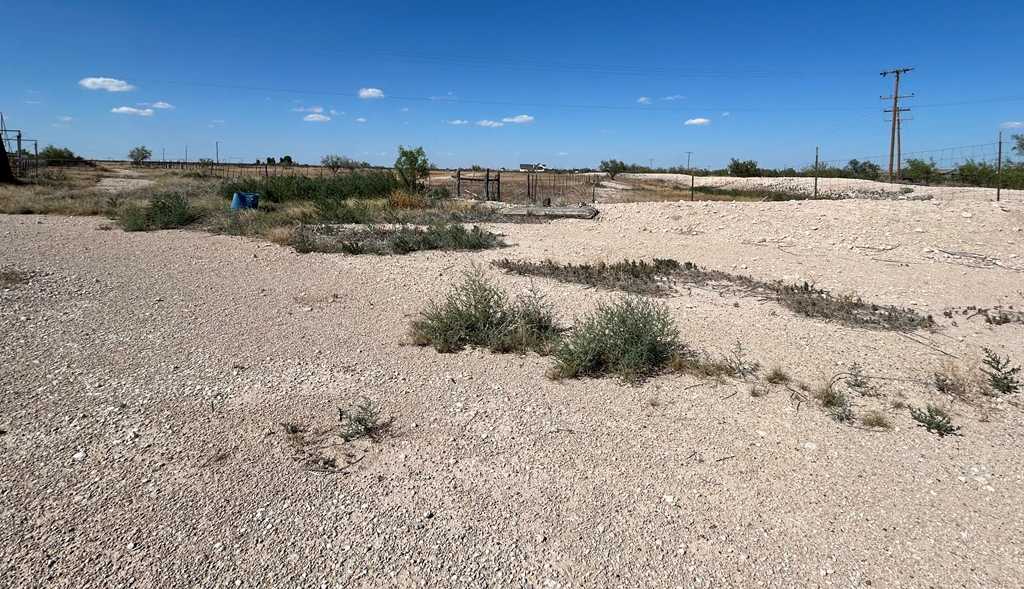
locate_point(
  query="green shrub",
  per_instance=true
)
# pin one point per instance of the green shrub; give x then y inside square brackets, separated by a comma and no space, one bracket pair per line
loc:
[167,210]
[1002,378]
[935,419]
[633,337]
[363,420]
[398,240]
[478,313]
[355,185]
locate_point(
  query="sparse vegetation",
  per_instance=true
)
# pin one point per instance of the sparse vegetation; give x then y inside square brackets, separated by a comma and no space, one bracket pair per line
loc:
[478,313]
[857,381]
[364,184]
[777,376]
[834,400]
[632,337]
[876,419]
[659,276]
[168,210]
[935,419]
[404,239]
[953,380]
[1002,377]
[363,420]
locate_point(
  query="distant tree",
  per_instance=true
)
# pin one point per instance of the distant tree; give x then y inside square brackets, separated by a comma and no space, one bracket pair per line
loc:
[1019,141]
[742,168]
[411,166]
[613,167]
[271,161]
[917,170]
[336,163]
[57,154]
[286,160]
[139,154]
[976,173]
[864,170]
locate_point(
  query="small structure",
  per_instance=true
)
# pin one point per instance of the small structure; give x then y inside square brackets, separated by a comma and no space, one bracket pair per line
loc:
[532,167]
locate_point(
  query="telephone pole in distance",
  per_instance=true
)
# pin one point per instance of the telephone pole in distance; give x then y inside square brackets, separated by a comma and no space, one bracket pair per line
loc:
[895,133]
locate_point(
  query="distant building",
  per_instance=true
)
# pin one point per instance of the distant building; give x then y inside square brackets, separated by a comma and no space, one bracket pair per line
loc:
[532,167]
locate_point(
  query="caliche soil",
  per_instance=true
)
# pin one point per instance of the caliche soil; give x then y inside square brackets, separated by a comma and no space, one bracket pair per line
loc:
[145,378]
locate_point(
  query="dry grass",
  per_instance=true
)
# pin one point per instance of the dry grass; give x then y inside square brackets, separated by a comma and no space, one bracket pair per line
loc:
[876,419]
[777,376]
[957,381]
[402,199]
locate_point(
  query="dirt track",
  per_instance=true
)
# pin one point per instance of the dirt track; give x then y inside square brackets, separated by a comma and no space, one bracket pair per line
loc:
[145,377]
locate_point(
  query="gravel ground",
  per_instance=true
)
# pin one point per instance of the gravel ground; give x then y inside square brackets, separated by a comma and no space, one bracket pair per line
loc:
[145,377]
[838,188]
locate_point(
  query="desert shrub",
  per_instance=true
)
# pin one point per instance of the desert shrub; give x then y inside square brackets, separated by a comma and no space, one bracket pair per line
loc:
[934,419]
[167,210]
[777,376]
[403,199]
[876,419]
[363,420]
[355,185]
[632,337]
[1002,377]
[918,170]
[953,380]
[478,313]
[857,381]
[834,400]
[411,166]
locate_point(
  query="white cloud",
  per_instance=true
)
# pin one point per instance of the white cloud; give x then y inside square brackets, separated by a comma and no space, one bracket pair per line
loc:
[725,114]
[1013,125]
[518,119]
[316,118]
[216,123]
[458,122]
[361,120]
[32,102]
[65,119]
[487,123]
[130,110]
[449,96]
[404,109]
[643,100]
[316,109]
[370,93]
[162,105]
[563,153]
[108,84]
[674,97]
[698,121]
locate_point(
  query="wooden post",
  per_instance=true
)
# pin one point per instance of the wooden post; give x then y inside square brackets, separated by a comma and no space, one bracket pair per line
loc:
[487,184]
[691,185]
[498,182]
[458,183]
[817,155]
[999,168]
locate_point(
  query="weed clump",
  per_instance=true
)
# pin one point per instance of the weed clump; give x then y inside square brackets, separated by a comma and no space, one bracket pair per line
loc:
[1002,378]
[876,419]
[835,401]
[777,376]
[934,419]
[394,240]
[363,420]
[633,337]
[168,210]
[478,313]
[659,276]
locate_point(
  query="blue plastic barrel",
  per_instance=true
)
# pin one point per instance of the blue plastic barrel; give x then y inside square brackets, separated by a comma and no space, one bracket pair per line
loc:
[245,200]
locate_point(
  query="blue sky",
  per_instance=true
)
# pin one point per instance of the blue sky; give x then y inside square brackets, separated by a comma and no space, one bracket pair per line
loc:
[557,82]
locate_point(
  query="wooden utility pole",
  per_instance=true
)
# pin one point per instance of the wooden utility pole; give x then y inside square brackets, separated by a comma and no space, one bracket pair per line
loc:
[894,136]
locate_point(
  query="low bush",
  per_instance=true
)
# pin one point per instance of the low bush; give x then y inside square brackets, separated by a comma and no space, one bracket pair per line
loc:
[777,376]
[1002,377]
[394,240]
[478,313]
[168,210]
[354,185]
[629,276]
[876,419]
[934,419]
[633,337]
[363,420]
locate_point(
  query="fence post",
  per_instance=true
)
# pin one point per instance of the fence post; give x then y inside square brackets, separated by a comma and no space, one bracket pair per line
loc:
[458,183]
[498,181]
[487,184]
[999,168]
[692,178]
[817,154]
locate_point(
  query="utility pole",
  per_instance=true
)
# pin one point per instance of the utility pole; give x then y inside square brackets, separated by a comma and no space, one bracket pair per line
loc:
[217,143]
[688,154]
[894,137]
[163,154]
